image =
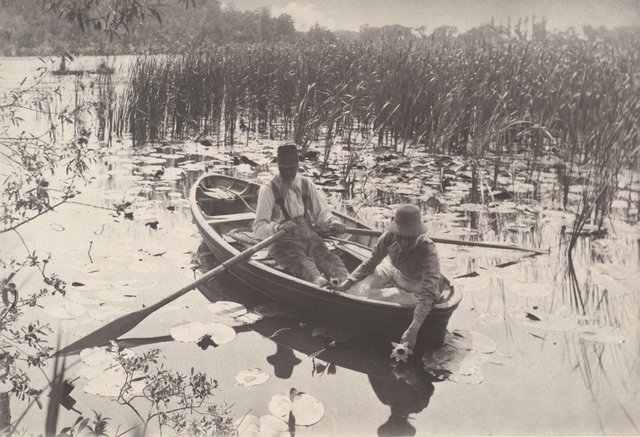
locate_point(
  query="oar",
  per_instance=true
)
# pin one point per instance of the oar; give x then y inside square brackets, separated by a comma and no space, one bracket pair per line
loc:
[377,233]
[120,326]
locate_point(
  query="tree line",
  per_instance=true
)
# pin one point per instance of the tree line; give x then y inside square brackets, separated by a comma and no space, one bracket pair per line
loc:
[59,27]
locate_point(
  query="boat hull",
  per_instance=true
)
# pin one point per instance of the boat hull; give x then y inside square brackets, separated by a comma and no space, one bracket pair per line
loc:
[378,318]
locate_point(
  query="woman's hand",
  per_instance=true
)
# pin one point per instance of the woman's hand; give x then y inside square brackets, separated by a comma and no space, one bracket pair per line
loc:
[409,337]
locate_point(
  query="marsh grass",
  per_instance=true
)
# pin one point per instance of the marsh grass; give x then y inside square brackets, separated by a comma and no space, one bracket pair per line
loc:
[471,95]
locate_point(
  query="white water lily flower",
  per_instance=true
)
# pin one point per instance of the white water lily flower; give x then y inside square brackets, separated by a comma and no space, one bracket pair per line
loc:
[251,377]
[400,351]
[306,409]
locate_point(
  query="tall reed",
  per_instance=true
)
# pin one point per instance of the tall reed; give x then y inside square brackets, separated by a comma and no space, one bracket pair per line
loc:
[479,95]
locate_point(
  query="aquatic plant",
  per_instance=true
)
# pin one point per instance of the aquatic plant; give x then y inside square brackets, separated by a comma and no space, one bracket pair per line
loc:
[44,169]
[475,95]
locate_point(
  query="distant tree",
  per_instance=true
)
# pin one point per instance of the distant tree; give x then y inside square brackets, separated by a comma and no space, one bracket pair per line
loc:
[444,32]
[320,34]
[392,31]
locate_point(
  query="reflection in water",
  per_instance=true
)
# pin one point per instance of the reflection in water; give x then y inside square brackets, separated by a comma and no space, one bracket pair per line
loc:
[408,393]
[283,362]
[406,388]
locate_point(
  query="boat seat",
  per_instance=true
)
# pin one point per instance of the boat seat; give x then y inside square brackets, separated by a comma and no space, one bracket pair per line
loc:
[230,218]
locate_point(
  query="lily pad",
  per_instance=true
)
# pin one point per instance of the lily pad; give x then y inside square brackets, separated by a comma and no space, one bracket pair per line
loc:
[81,298]
[108,384]
[530,289]
[470,340]
[490,319]
[96,356]
[107,313]
[550,322]
[116,295]
[248,319]
[64,310]
[90,268]
[91,285]
[270,309]
[226,311]
[604,336]
[306,409]
[474,379]
[461,366]
[265,426]
[195,331]
[251,377]
[144,267]
[139,284]
[98,360]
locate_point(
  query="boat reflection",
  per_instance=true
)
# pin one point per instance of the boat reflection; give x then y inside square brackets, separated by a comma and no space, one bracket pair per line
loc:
[406,388]
[408,394]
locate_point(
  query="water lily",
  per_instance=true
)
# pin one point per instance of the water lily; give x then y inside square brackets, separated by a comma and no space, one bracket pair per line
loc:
[401,351]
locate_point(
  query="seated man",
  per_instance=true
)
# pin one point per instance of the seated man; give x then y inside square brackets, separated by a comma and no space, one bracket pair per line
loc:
[406,258]
[293,203]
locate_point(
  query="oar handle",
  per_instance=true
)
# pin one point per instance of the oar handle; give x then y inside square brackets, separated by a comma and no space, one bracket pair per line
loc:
[244,255]
[377,233]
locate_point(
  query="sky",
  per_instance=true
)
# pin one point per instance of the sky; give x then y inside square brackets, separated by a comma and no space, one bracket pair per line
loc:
[463,14]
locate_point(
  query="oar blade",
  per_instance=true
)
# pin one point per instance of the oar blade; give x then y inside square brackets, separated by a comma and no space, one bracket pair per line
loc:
[106,333]
[122,325]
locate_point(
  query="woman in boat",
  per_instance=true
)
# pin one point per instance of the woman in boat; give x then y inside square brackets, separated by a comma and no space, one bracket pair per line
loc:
[405,258]
[292,203]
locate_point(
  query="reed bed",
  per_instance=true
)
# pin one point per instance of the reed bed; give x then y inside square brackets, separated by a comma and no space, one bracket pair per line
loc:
[478,96]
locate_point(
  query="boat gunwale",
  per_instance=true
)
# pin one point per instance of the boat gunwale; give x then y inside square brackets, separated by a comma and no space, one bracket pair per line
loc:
[326,294]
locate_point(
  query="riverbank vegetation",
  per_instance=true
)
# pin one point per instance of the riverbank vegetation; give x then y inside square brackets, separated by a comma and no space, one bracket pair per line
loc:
[486,96]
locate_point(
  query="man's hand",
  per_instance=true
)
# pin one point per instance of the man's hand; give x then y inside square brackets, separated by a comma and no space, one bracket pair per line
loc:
[337,227]
[287,226]
[409,337]
[344,285]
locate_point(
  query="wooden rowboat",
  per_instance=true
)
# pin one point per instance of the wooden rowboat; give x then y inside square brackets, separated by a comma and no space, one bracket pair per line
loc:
[222,208]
